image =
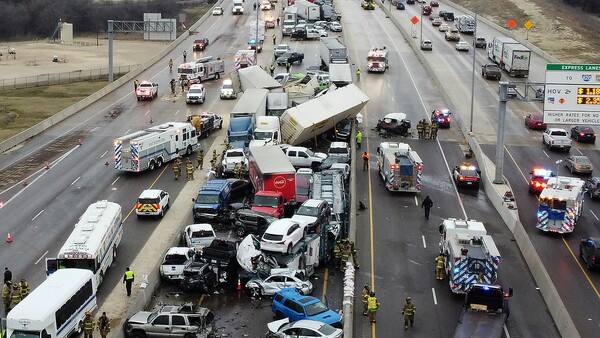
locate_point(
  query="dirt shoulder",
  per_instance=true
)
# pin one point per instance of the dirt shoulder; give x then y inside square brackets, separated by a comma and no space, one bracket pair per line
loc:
[567,33]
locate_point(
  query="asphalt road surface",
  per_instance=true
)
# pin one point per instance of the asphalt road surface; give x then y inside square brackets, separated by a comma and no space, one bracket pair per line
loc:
[396,244]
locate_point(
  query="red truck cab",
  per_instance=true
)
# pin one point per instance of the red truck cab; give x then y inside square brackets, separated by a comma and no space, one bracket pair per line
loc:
[270,202]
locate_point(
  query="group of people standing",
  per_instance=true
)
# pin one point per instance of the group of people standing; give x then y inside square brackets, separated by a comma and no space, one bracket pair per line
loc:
[371,304]
[13,293]
[342,251]
[89,324]
[426,130]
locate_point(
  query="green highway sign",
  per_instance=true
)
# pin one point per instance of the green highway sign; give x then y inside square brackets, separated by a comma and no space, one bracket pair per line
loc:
[570,67]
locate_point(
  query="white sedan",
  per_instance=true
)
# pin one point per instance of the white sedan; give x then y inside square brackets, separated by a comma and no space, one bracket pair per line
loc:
[335,27]
[462,46]
[322,32]
[217,11]
[282,235]
[303,329]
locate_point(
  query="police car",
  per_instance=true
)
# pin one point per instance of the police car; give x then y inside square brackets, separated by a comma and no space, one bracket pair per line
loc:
[441,117]
[466,175]
[538,178]
[152,202]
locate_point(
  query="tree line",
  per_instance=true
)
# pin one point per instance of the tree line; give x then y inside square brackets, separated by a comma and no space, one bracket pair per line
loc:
[38,19]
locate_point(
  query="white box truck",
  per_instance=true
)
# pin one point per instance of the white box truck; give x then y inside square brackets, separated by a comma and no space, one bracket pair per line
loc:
[332,50]
[314,117]
[252,77]
[308,11]
[277,103]
[340,74]
[496,48]
[516,58]
[253,103]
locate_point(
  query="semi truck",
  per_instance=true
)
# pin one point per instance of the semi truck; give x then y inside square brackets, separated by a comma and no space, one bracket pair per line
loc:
[314,117]
[290,19]
[277,103]
[340,74]
[308,10]
[470,254]
[484,312]
[517,59]
[399,166]
[332,50]
[267,131]
[273,178]
[244,114]
[510,55]
[253,77]
[151,148]
[239,132]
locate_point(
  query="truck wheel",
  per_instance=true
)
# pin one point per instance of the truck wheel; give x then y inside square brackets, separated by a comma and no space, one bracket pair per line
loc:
[159,163]
[190,335]
[240,231]
[254,292]
[207,134]
[398,130]
[218,75]
[151,165]
[188,151]
[289,249]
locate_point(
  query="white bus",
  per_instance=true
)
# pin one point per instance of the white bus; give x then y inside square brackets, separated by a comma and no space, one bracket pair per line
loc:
[56,308]
[93,243]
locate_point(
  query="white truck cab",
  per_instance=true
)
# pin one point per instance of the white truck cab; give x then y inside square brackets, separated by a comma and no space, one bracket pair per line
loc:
[267,131]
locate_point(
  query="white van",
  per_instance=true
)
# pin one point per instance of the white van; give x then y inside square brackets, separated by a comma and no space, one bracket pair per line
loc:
[313,33]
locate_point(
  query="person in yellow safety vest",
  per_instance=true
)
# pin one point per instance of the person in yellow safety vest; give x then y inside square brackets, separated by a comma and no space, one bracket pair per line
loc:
[24,288]
[359,137]
[189,168]
[88,325]
[439,268]
[272,69]
[236,170]
[15,296]
[136,83]
[365,298]
[372,307]
[6,296]
[408,311]
[337,254]
[128,279]
[274,38]
[243,170]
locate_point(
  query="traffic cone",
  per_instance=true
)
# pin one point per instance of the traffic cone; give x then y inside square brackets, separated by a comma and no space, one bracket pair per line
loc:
[106,163]
[239,285]
[47,165]
[24,183]
[9,239]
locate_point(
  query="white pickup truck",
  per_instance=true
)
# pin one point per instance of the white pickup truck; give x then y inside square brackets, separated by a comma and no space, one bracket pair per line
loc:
[174,262]
[303,157]
[556,138]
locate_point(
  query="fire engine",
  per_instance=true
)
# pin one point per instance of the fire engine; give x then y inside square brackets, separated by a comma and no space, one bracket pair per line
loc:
[471,256]
[244,59]
[538,179]
[202,69]
[399,167]
[377,60]
[561,204]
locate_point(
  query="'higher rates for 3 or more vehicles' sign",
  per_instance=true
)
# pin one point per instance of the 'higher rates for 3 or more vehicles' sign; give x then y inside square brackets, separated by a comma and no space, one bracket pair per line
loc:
[572,94]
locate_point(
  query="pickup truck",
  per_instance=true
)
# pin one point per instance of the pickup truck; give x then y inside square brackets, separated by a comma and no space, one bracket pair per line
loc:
[174,263]
[556,138]
[280,50]
[484,313]
[491,71]
[291,57]
[187,320]
[200,44]
[146,90]
[303,157]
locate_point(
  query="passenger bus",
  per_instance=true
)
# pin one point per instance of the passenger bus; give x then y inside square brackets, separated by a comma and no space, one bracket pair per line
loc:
[93,243]
[56,308]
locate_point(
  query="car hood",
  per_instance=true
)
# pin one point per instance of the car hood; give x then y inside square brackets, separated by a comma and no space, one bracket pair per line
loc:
[276,325]
[305,219]
[321,155]
[268,210]
[249,247]
[140,317]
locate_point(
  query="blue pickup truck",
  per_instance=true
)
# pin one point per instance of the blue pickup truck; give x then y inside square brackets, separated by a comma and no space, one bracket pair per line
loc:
[212,200]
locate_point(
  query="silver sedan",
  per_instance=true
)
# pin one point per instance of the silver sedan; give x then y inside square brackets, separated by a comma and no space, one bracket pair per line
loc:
[279,279]
[579,164]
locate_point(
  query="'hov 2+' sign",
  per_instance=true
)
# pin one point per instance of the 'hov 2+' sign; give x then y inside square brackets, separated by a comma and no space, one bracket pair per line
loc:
[572,94]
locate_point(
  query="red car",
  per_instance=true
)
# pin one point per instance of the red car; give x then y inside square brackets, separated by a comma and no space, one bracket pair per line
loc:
[535,121]
[200,44]
[538,178]
[427,10]
[434,4]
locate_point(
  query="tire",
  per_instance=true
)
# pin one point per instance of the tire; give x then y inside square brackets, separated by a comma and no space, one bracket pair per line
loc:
[159,162]
[207,134]
[221,125]
[241,232]
[151,165]
[289,249]
[138,334]
[114,254]
[254,292]
[218,76]
[398,130]
[188,151]
[162,213]
[190,335]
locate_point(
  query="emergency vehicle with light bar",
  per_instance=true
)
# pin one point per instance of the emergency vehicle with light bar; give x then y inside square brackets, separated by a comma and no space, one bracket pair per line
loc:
[560,204]
[471,256]
[399,167]
[93,243]
[146,90]
[202,69]
[151,148]
[466,175]
[377,60]
[538,179]
[441,117]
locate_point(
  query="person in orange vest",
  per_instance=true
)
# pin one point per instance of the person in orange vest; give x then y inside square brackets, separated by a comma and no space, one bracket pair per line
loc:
[365,157]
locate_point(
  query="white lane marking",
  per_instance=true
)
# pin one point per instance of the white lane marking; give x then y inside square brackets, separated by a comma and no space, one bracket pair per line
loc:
[39,259]
[393,99]
[416,201]
[419,264]
[94,129]
[148,112]
[36,216]
[388,85]
[101,156]
[579,151]
[77,179]
[596,217]
[434,297]
[128,130]
[177,112]
[424,243]
[543,151]
[115,181]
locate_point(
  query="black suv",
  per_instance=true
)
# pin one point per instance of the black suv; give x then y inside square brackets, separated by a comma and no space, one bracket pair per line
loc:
[251,222]
[589,251]
[592,187]
[343,130]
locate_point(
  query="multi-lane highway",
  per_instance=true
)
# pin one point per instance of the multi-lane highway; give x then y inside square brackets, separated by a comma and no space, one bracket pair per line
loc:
[397,245]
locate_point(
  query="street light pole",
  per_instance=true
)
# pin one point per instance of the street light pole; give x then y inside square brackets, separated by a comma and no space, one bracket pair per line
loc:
[421,40]
[473,76]
[256,38]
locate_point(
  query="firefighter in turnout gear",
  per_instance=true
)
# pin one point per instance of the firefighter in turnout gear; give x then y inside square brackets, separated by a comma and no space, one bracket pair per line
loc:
[6,296]
[88,325]
[189,169]
[243,170]
[236,170]
[434,130]
[103,325]
[439,267]
[15,297]
[200,159]
[372,307]
[214,157]
[409,313]
[24,288]
[346,252]
[337,254]
[176,169]
[420,128]
[365,298]
[354,257]
[426,130]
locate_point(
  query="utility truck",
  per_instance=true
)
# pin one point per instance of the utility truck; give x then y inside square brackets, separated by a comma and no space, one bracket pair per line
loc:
[377,60]
[484,312]
[471,256]
[202,69]
[244,58]
[399,166]
[151,148]
[312,118]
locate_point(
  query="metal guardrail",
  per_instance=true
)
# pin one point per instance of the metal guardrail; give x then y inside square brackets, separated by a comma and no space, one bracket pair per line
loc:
[62,78]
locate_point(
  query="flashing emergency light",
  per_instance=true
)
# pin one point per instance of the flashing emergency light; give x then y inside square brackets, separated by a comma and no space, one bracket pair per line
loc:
[539,214]
[456,270]
[420,167]
[467,167]
[486,288]
[541,172]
